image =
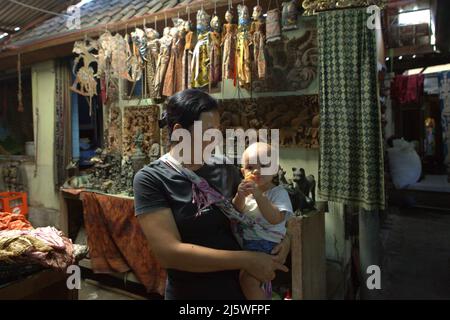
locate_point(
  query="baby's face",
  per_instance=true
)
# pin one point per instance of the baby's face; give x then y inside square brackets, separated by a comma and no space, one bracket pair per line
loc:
[252,165]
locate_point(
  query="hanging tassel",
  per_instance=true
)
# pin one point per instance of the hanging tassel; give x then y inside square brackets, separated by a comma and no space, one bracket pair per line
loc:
[19,93]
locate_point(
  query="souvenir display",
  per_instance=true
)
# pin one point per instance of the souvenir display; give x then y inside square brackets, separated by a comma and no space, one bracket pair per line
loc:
[215,60]
[134,61]
[293,64]
[289,15]
[297,118]
[173,81]
[273,28]
[243,47]
[151,60]
[258,41]
[190,40]
[165,44]
[200,57]
[140,43]
[85,83]
[140,121]
[184,58]
[244,51]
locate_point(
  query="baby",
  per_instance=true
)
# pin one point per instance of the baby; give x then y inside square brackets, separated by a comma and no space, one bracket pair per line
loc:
[267,204]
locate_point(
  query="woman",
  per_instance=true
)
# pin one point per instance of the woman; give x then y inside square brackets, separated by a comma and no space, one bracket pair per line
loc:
[200,253]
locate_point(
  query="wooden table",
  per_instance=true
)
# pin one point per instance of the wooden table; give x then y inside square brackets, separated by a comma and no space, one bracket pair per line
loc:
[43,285]
[308,267]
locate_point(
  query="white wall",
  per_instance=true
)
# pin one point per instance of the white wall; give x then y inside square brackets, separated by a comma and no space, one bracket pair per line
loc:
[41,184]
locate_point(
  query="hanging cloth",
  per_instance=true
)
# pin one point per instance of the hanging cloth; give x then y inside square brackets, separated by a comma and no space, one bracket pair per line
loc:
[351,151]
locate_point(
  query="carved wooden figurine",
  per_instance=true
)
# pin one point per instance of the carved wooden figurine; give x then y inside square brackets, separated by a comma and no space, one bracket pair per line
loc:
[229,35]
[215,60]
[258,37]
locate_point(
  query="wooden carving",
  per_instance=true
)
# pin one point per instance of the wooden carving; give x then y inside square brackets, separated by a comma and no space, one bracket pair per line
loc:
[114,129]
[297,118]
[291,64]
[142,120]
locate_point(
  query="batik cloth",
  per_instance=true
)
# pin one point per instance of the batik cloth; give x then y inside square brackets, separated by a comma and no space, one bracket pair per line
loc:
[351,152]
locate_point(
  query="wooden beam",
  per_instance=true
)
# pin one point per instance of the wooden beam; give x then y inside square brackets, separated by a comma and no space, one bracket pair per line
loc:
[10,62]
[410,50]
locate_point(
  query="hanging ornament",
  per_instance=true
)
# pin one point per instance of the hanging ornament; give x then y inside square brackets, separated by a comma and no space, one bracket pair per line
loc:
[243,47]
[200,65]
[229,37]
[258,41]
[289,15]
[273,28]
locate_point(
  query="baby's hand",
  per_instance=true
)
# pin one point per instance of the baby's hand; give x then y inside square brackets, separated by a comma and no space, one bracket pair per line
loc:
[246,188]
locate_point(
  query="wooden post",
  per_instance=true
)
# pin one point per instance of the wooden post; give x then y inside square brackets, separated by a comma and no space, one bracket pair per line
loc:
[64,214]
[296,257]
[308,256]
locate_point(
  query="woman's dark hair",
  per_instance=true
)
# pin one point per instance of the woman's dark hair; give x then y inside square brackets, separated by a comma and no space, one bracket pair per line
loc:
[185,107]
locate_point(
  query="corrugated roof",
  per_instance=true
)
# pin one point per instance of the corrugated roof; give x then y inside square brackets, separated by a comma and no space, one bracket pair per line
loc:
[20,13]
[96,13]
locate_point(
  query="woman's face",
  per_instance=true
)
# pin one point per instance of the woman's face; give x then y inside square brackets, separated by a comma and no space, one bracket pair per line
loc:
[209,120]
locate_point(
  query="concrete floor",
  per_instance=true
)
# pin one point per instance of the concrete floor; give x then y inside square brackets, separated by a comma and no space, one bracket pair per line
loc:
[416,255]
[91,290]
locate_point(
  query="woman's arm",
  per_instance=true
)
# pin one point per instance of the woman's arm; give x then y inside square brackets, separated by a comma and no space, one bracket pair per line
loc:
[164,239]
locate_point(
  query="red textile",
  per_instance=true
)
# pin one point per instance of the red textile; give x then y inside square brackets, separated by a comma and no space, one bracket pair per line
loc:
[407,89]
[116,241]
[12,221]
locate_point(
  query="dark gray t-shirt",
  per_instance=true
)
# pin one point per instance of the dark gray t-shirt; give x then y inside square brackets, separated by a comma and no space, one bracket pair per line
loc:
[157,186]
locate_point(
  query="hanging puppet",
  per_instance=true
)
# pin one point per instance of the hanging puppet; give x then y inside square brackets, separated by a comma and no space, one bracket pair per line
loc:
[258,41]
[242,47]
[104,59]
[165,43]
[200,57]
[229,35]
[134,64]
[140,44]
[215,60]
[187,54]
[120,66]
[151,58]
[173,80]
[85,76]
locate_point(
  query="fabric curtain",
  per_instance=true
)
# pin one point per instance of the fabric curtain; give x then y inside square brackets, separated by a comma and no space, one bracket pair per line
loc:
[351,152]
[63,122]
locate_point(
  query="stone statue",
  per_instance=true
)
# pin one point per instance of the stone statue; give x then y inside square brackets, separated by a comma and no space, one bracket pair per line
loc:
[305,184]
[154,152]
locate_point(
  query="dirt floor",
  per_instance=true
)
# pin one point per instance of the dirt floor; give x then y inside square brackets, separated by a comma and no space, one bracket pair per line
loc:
[416,262]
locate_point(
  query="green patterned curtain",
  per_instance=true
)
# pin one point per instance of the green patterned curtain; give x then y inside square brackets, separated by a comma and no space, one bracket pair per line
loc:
[351,152]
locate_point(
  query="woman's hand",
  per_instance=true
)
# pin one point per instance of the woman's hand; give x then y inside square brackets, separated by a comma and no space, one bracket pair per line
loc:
[263,266]
[281,251]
